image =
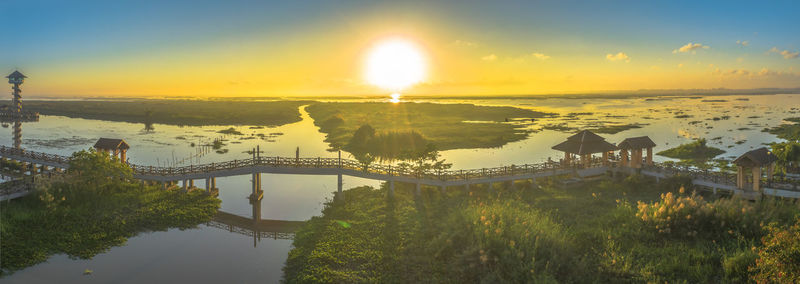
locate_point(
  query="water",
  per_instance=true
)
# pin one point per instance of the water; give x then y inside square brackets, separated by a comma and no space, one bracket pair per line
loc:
[207,254]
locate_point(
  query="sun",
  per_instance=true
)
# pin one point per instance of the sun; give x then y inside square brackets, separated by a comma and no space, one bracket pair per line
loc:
[395,64]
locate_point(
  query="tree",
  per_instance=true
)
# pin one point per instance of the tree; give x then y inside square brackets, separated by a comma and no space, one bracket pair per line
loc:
[361,139]
[424,160]
[788,154]
[98,168]
[365,159]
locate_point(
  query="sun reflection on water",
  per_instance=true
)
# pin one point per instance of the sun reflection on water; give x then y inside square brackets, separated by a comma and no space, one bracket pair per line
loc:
[395,98]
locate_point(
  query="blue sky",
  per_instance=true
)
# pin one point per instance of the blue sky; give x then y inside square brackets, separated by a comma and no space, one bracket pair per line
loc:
[54,38]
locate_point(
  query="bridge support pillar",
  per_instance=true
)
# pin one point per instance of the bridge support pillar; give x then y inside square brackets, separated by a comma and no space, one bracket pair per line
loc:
[339,183]
[714,190]
[208,184]
[191,183]
[185,184]
[257,193]
[213,182]
[489,187]
[418,192]
[391,188]
[443,188]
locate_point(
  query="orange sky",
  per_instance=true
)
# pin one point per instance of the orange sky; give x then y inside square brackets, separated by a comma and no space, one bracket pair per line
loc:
[520,48]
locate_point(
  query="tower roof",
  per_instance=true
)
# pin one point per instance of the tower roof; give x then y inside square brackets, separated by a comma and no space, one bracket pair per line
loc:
[585,142]
[111,144]
[640,142]
[16,75]
[758,157]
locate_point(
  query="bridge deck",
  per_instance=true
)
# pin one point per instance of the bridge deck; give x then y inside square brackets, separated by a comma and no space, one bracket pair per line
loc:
[335,166]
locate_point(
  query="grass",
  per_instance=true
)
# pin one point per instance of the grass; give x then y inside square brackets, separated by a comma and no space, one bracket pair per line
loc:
[696,151]
[176,112]
[522,234]
[446,125]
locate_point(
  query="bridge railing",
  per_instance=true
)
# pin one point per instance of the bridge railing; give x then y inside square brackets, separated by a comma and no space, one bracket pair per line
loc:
[39,156]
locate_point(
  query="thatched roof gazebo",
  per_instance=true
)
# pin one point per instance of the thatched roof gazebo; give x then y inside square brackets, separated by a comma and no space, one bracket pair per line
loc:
[755,160]
[116,146]
[584,144]
[636,145]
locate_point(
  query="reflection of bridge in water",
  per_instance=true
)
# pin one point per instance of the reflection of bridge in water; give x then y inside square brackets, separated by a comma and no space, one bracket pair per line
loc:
[255,226]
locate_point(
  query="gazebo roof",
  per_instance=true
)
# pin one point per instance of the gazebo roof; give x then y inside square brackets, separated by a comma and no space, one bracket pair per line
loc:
[16,74]
[111,144]
[758,157]
[585,142]
[640,142]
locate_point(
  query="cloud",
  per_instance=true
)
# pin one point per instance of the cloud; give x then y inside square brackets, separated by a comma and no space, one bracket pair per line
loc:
[618,56]
[690,47]
[764,72]
[785,53]
[465,43]
[490,57]
[540,56]
[743,42]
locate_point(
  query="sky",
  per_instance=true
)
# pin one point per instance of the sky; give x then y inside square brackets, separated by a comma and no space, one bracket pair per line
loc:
[232,48]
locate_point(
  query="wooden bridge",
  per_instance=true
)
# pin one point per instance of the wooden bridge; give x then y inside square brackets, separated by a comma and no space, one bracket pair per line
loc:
[390,173]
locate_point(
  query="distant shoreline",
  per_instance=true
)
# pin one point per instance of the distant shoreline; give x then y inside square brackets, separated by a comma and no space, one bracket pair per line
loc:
[590,95]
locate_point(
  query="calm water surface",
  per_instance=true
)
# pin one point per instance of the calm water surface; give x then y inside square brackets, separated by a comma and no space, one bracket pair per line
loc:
[209,254]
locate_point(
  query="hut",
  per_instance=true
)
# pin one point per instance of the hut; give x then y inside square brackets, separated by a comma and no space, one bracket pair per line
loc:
[755,160]
[636,145]
[584,144]
[110,145]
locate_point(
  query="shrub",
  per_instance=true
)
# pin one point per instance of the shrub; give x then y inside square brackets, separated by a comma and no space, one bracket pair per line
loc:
[688,216]
[779,255]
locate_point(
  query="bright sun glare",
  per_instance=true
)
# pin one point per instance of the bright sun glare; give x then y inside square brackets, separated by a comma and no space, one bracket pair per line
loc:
[395,64]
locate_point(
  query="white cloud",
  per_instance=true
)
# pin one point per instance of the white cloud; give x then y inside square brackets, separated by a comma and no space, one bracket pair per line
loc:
[785,53]
[743,42]
[690,47]
[540,56]
[618,56]
[490,57]
[465,43]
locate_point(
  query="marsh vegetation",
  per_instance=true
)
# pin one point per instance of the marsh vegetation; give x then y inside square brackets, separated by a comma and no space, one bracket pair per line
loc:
[446,125]
[176,112]
[95,207]
[628,230]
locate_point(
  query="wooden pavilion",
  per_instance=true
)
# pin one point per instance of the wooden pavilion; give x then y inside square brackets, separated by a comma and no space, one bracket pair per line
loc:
[110,145]
[635,145]
[756,160]
[584,144]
